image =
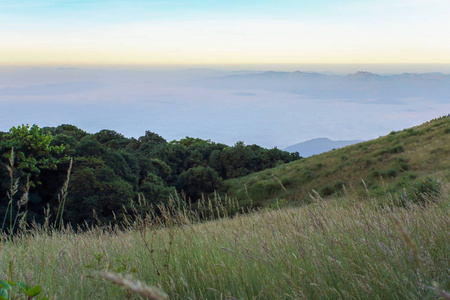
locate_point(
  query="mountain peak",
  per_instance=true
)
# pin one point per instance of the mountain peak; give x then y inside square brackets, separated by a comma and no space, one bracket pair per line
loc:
[363,75]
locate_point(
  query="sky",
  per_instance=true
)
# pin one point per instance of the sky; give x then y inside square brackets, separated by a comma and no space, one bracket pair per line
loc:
[166,32]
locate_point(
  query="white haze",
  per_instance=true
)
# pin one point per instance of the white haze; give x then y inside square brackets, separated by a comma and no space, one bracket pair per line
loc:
[223,103]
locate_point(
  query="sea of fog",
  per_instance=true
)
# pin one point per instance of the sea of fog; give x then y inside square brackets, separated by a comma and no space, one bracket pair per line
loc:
[268,105]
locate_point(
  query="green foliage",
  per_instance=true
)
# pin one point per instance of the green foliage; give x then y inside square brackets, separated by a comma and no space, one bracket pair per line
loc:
[263,188]
[188,141]
[196,181]
[391,173]
[116,160]
[111,171]
[306,175]
[402,164]
[66,129]
[99,190]
[151,137]
[338,186]
[326,190]
[155,189]
[33,149]
[424,190]
[30,292]
[392,150]
[90,147]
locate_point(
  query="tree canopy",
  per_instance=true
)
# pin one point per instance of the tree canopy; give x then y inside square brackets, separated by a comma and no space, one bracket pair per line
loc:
[110,172]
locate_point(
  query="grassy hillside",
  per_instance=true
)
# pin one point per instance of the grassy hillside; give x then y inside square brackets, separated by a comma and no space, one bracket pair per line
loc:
[358,244]
[347,248]
[386,164]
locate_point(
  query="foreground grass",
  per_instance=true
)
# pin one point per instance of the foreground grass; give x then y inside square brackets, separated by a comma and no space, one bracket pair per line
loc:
[340,248]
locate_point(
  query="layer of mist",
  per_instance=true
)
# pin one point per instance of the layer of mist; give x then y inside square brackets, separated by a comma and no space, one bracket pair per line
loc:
[256,104]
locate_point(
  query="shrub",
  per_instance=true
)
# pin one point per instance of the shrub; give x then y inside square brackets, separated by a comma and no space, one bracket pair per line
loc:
[391,173]
[395,149]
[198,180]
[425,189]
[403,164]
[391,150]
[368,162]
[306,175]
[286,180]
[263,188]
[375,173]
[326,190]
[411,175]
[338,186]
[319,166]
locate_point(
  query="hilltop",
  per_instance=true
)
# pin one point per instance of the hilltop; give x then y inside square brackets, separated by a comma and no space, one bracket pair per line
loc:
[317,146]
[384,165]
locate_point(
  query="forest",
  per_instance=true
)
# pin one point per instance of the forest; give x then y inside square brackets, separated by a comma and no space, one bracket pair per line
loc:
[81,178]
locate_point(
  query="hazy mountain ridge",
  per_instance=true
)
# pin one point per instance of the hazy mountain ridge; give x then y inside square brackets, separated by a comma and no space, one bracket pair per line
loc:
[357,86]
[52,89]
[318,145]
[266,108]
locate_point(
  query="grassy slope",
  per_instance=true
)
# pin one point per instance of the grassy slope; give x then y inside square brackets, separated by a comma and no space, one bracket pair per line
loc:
[347,247]
[386,163]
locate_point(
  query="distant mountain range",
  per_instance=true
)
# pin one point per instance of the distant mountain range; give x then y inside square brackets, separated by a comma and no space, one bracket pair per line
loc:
[359,86]
[52,89]
[318,146]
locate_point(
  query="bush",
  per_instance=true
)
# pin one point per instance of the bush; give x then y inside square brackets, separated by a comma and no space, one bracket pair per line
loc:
[338,186]
[395,149]
[391,173]
[425,189]
[198,180]
[263,188]
[391,150]
[375,173]
[286,180]
[306,176]
[368,162]
[326,190]
[403,164]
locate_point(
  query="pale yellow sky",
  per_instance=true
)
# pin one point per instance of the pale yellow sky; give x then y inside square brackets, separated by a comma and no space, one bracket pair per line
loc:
[415,36]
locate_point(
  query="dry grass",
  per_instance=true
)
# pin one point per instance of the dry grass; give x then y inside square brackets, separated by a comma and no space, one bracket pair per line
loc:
[337,248]
[135,286]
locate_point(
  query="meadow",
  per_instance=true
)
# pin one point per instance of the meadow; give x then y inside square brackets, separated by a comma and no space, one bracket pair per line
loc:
[349,247]
[381,231]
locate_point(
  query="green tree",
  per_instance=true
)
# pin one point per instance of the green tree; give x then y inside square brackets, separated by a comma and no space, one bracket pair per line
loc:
[67,129]
[28,152]
[155,189]
[99,190]
[33,149]
[198,180]
[89,147]
[111,139]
